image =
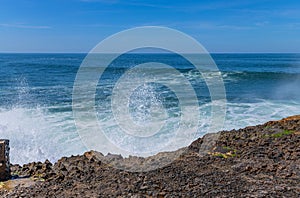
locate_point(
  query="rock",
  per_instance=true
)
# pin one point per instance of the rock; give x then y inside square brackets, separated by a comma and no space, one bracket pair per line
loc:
[262,160]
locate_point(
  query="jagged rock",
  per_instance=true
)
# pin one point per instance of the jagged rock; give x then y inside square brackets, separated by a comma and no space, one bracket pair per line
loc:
[259,161]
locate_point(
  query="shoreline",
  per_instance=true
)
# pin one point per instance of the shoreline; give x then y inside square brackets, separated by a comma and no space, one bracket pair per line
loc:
[262,160]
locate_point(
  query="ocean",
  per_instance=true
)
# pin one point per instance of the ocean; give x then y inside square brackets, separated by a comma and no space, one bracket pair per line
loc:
[36,96]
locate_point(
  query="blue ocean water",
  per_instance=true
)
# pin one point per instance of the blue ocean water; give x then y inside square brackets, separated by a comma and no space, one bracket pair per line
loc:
[36,96]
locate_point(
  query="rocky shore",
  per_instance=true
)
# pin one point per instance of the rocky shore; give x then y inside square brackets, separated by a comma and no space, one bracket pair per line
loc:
[257,161]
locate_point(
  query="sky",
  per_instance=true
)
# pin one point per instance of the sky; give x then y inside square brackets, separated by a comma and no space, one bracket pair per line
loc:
[219,25]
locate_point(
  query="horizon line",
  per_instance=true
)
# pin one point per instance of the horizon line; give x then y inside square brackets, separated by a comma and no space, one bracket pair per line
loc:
[151,53]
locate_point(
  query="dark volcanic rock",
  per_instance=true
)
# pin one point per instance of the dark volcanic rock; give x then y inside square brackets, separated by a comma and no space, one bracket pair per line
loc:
[259,161]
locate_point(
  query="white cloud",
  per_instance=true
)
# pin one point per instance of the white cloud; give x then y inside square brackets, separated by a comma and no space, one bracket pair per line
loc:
[24,26]
[210,25]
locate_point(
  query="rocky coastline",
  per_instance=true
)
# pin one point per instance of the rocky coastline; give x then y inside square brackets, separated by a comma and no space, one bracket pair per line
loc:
[256,161]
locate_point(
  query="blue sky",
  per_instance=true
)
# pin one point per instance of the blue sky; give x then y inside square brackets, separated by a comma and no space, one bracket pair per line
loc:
[220,25]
